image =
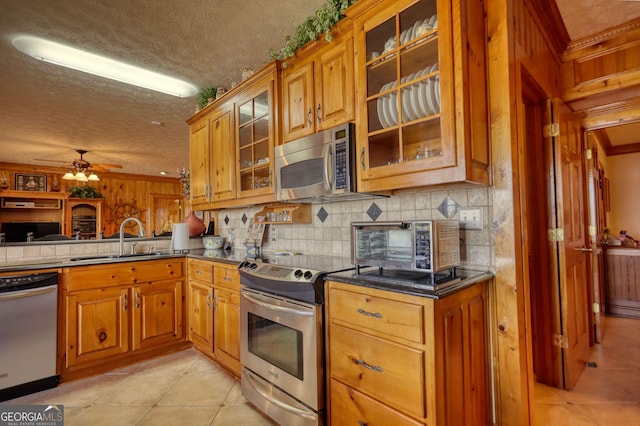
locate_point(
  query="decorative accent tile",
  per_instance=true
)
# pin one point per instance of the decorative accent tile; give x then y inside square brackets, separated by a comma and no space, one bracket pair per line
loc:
[322,214]
[374,211]
[244,218]
[448,207]
[226,219]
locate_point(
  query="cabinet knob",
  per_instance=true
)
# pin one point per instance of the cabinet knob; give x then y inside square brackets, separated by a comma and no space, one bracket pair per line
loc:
[124,305]
[309,119]
[362,159]
[318,114]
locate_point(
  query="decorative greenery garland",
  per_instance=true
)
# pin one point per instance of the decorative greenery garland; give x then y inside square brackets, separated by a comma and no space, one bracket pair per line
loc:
[323,20]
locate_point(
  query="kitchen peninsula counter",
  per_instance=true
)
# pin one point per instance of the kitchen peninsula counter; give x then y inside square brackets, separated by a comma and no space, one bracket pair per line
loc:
[622,281]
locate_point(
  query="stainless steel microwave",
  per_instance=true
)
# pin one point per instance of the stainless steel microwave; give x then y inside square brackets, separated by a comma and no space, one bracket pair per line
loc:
[426,245]
[317,167]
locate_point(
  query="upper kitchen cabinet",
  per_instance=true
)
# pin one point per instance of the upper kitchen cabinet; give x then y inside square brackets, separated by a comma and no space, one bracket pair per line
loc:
[212,149]
[421,93]
[256,135]
[199,161]
[318,85]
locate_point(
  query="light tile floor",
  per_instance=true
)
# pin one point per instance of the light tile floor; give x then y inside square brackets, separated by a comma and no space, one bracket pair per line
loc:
[608,395]
[180,388]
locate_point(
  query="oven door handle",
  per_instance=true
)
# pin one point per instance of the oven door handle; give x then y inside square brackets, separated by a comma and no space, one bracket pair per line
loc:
[266,395]
[259,300]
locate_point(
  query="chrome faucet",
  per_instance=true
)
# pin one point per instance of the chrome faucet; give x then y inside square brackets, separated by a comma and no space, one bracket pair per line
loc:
[140,232]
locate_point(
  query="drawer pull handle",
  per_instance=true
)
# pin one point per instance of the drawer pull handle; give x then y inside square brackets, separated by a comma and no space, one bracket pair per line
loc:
[362,423]
[370,367]
[369,314]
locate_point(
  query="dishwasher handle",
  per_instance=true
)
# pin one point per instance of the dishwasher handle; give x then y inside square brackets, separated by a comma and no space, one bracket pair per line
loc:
[27,293]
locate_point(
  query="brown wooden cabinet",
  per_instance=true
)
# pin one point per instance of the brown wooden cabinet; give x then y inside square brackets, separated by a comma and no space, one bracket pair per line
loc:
[257,132]
[118,313]
[214,311]
[98,325]
[226,320]
[402,359]
[200,304]
[318,85]
[421,93]
[84,218]
[212,150]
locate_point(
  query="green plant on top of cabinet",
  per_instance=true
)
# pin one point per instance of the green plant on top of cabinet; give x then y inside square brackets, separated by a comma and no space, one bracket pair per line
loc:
[257,134]
[421,87]
[318,85]
[212,149]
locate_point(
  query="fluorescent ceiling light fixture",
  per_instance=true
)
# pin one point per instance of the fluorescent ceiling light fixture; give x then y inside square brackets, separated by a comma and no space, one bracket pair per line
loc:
[70,57]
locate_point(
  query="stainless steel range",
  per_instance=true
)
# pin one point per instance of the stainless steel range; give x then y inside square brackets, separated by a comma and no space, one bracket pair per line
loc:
[281,346]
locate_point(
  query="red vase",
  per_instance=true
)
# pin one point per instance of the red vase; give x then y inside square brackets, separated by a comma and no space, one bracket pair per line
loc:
[196,225]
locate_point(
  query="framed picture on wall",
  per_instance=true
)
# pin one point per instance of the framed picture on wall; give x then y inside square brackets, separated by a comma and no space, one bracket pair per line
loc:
[29,182]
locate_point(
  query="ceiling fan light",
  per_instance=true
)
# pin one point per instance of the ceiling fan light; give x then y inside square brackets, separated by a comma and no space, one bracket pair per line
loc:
[80,177]
[70,57]
[93,177]
[68,176]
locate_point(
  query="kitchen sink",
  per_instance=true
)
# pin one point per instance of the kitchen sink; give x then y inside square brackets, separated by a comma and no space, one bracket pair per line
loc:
[116,256]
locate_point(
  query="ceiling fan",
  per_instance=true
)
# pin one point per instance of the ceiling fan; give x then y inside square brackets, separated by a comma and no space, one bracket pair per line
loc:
[79,168]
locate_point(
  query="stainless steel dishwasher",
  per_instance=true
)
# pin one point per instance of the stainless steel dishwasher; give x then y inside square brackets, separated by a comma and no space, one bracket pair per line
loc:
[28,333]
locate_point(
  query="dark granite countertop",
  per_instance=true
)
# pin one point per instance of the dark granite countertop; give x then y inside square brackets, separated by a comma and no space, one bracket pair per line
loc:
[418,287]
[233,257]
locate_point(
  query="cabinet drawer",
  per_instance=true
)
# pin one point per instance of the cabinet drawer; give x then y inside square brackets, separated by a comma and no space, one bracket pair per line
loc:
[390,372]
[226,277]
[384,317]
[101,276]
[201,271]
[350,407]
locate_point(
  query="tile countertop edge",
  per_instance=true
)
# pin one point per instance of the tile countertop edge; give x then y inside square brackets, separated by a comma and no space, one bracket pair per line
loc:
[471,276]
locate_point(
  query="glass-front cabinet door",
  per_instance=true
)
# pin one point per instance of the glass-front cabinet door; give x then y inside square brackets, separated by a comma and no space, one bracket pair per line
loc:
[406,114]
[255,142]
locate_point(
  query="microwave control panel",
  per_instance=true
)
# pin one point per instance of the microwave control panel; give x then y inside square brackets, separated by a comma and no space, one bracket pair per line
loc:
[342,166]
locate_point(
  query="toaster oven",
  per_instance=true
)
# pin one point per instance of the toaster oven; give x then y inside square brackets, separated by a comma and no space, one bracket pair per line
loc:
[421,245]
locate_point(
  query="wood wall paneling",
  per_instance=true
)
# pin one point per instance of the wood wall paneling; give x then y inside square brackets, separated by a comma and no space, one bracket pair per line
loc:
[605,64]
[124,195]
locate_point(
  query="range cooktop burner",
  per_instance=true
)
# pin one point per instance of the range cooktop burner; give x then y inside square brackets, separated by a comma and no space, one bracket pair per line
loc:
[298,277]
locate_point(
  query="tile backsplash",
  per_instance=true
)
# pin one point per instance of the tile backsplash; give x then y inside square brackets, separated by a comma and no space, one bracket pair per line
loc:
[330,232]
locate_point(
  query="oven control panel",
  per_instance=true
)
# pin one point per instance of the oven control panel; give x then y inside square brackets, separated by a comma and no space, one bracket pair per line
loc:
[278,272]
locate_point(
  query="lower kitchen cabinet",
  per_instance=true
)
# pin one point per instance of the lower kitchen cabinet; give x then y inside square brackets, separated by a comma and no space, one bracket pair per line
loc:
[401,359]
[120,313]
[214,311]
[227,329]
[200,305]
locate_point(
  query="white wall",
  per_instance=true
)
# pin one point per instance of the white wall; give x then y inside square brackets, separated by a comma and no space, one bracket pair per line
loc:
[623,172]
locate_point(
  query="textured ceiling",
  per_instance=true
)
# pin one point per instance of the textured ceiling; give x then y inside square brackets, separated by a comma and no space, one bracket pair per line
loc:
[46,112]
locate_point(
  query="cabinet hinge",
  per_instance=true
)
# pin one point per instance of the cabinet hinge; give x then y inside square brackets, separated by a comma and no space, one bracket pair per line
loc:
[556,234]
[589,154]
[592,230]
[596,308]
[560,340]
[551,130]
